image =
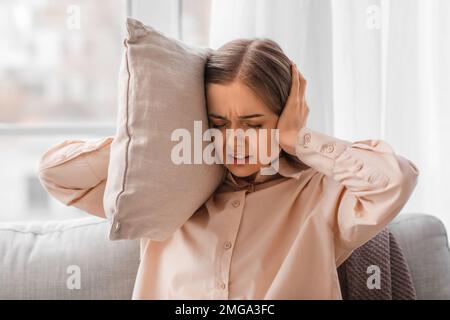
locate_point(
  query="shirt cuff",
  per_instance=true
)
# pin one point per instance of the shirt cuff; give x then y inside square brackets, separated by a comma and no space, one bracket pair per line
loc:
[319,150]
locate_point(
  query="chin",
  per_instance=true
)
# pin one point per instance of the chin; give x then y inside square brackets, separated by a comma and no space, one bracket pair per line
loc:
[243,170]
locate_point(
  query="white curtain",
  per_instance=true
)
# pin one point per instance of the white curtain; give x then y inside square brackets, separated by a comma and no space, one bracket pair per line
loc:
[376,69]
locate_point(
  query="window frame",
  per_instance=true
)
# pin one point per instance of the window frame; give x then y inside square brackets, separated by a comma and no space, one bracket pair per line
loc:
[142,10]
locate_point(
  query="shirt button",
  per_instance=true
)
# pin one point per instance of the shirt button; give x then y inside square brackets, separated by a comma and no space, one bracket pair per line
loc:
[227,245]
[306,138]
[236,203]
[330,148]
[223,285]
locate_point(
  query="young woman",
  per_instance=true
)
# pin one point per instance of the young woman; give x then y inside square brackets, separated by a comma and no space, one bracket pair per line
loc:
[278,236]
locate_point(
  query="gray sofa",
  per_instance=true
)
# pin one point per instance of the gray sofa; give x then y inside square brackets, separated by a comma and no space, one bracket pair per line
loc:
[73,259]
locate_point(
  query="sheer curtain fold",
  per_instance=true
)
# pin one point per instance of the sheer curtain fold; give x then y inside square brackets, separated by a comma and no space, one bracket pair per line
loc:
[376,69]
[301,27]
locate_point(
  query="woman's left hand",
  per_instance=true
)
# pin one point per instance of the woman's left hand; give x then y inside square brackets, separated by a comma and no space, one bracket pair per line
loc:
[295,112]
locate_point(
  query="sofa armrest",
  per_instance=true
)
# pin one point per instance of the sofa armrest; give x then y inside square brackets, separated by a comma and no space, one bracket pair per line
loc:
[424,243]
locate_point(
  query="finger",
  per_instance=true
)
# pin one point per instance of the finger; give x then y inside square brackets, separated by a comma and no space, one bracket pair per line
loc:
[301,77]
[305,114]
[295,86]
[302,85]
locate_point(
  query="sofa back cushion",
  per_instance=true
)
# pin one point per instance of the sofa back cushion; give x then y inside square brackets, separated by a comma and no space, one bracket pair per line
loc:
[66,259]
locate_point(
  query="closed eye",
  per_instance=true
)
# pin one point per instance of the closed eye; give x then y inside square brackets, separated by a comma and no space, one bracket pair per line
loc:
[256,126]
[217,125]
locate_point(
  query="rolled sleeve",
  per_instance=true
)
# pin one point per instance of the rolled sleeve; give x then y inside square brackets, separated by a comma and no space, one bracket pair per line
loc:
[75,171]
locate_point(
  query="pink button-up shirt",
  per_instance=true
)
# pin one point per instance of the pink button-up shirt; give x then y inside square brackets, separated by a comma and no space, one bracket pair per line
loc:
[278,236]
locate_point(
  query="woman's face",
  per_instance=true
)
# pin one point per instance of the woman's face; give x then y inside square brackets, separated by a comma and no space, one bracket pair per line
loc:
[236,106]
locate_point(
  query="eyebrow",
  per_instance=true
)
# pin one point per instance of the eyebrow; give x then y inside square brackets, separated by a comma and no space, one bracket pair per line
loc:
[248,116]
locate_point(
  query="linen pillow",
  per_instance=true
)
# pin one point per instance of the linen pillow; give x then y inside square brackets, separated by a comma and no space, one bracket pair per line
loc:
[161,88]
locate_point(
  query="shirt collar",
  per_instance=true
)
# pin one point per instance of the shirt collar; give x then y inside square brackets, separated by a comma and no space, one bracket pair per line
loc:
[286,168]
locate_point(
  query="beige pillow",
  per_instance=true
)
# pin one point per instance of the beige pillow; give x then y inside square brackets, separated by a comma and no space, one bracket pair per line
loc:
[161,88]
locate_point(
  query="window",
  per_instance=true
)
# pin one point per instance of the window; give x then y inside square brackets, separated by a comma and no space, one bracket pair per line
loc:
[187,20]
[195,20]
[59,62]
[58,80]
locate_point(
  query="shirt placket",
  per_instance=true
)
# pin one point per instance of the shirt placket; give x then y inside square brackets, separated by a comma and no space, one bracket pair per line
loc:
[227,243]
